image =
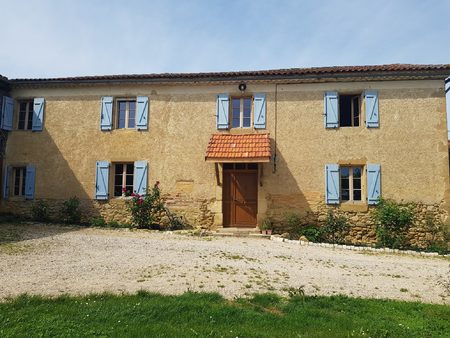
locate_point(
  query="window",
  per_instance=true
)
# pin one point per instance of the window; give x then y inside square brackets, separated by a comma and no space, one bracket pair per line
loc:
[123,179]
[25,115]
[240,166]
[126,114]
[241,112]
[19,181]
[349,110]
[351,189]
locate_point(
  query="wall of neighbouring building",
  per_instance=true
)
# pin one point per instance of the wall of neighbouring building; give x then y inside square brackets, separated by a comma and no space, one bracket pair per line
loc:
[410,145]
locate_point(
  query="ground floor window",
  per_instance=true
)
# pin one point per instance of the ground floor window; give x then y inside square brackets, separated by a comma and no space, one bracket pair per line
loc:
[19,181]
[351,188]
[123,179]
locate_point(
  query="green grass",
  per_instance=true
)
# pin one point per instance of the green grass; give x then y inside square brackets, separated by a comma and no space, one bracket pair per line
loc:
[209,315]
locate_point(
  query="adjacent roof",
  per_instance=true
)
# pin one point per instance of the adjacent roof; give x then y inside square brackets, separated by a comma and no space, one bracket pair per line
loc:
[4,84]
[238,148]
[391,71]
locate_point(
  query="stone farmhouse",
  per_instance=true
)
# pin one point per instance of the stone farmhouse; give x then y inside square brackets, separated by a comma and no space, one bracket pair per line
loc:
[231,149]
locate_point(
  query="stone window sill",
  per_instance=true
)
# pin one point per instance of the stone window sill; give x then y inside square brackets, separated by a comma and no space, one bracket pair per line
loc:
[354,207]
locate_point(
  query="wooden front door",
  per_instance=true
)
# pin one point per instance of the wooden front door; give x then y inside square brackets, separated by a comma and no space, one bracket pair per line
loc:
[240,194]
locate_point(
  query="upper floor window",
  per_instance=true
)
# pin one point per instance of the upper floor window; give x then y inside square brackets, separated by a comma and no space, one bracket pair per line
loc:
[126,113]
[351,189]
[25,115]
[19,181]
[241,112]
[349,110]
[123,179]
[344,110]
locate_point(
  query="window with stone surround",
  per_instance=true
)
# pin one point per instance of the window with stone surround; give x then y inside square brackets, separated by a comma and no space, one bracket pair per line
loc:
[25,120]
[19,177]
[123,179]
[349,110]
[125,113]
[241,112]
[351,183]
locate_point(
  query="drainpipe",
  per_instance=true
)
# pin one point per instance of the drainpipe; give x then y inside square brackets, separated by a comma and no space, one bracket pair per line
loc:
[447,99]
[275,132]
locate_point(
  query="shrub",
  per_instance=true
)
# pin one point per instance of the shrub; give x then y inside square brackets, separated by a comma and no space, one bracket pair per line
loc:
[115,224]
[145,210]
[40,211]
[266,224]
[70,211]
[175,222]
[312,232]
[335,228]
[392,222]
[438,233]
[292,221]
[98,222]
[296,228]
[8,217]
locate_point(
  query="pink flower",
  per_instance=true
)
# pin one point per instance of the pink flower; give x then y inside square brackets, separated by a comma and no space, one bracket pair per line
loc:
[124,189]
[133,194]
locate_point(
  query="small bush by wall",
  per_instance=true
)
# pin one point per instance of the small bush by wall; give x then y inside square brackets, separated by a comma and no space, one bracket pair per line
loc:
[146,209]
[40,211]
[392,222]
[70,211]
[335,229]
[148,212]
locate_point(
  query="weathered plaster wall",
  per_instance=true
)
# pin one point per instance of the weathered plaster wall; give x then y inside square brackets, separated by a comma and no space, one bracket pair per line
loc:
[410,145]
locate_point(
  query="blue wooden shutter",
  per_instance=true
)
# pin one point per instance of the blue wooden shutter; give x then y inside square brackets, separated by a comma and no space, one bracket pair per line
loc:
[6,182]
[372,113]
[373,183]
[140,177]
[102,180]
[7,113]
[223,111]
[142,112]
[29,181]
[38,114]
[332,186]
[106,113]
[259,107]
[331,110]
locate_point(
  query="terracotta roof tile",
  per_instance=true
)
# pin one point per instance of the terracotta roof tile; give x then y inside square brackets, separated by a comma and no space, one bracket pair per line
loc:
[387,69]
[243,147]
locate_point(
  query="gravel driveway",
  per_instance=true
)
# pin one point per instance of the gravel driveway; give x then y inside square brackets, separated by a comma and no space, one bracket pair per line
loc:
[54,260]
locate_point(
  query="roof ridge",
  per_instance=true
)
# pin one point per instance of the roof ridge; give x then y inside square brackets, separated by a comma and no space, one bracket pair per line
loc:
[393,67]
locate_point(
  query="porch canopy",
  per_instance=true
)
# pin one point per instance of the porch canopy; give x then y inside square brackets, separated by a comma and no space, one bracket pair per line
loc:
[243,148]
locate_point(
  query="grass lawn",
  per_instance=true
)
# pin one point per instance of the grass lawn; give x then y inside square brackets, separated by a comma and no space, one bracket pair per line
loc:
[210,315]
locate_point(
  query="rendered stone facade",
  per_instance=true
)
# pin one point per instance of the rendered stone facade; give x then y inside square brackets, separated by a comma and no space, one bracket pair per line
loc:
[410,145]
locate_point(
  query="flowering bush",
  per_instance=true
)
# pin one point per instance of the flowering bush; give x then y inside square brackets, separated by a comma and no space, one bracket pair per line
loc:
[126,192]
[146,209]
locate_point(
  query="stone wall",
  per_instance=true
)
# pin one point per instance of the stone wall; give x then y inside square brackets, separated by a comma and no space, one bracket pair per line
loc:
[362,228]
[194,211]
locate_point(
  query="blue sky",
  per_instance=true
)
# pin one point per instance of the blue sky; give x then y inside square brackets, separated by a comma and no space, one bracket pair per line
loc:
[67,38]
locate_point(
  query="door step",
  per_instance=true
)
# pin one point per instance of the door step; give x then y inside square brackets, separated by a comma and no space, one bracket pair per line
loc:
[239,232]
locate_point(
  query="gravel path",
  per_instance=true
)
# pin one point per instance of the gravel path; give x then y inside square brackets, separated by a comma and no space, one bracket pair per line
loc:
[54,260]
